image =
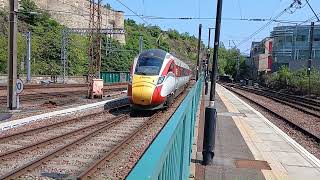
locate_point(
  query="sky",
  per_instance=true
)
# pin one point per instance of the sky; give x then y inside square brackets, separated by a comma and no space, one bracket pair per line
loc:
[231,30]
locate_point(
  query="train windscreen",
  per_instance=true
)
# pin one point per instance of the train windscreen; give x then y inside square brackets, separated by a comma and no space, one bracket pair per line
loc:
[148,65]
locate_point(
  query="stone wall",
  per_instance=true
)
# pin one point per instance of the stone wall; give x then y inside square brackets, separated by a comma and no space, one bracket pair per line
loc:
[75,14]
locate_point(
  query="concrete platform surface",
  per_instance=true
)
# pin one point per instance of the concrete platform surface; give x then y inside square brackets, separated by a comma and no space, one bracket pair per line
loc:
[249,146]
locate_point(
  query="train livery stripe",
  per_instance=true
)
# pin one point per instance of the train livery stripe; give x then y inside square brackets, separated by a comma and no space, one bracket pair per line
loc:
[156,97]
[166,69]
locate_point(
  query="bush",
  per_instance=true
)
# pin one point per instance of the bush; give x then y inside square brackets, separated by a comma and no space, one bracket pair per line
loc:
[296,81]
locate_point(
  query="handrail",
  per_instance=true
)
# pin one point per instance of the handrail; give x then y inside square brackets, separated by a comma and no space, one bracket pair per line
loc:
[169,156]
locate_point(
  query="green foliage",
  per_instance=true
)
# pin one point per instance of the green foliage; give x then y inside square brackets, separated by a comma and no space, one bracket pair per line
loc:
[227,62]
[295,80]
[3,53]
[29,12]
[120,57]
[47,42]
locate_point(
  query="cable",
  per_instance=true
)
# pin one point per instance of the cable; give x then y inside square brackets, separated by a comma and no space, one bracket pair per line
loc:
[132,11]
[268,23]
[240,9]
[260,29]
[313,10]
[212,18]
[199,8]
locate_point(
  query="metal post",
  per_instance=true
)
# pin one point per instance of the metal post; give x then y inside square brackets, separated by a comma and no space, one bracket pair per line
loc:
[64,56]
[198,60]
[238,64]
[28,57]
[207,64]
[211,112]
[140,43]
[12,54]
[310,56]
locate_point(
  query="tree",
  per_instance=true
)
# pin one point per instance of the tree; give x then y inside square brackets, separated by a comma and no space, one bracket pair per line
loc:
[29,12]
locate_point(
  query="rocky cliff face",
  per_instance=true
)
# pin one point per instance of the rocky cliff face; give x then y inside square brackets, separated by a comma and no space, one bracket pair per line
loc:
[75,14]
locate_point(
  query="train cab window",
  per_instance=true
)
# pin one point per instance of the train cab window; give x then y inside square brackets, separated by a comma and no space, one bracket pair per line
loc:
[148,65]
[171,68]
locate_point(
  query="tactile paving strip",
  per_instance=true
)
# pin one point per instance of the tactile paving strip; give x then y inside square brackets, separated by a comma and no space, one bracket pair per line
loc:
[252,164]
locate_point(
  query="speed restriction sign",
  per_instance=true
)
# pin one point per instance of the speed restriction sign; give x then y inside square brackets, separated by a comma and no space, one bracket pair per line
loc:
[19,86]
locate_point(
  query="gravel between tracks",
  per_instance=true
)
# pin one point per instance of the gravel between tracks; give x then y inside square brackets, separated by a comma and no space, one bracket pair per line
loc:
[51,120]
[9,163]
[308,122]
[36,108]
[53,98]
[308,143]
[75,160]
[120,166]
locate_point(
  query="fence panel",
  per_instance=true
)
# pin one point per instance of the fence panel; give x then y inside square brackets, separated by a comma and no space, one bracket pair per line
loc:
[110,77]
[169,156]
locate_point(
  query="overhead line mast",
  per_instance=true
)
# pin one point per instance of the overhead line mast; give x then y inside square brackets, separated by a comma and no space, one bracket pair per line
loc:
[95,40]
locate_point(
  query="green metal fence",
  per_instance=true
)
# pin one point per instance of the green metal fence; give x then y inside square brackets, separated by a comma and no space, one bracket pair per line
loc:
[110,77]
[169,156]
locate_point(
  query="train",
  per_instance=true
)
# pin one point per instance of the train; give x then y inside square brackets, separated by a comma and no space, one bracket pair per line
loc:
[156,79]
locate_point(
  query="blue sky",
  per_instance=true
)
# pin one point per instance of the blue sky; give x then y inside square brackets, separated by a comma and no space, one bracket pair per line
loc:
[230,30]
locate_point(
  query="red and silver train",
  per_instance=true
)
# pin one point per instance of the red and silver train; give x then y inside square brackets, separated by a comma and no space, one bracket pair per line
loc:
[157,78]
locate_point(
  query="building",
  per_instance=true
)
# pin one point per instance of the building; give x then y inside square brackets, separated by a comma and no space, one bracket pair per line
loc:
[291,47]
[75,14]
[261,57]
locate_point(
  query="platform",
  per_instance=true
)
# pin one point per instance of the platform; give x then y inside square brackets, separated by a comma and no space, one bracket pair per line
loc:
[249,146]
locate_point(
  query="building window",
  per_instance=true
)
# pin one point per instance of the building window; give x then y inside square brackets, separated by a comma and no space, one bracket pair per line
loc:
[301,38]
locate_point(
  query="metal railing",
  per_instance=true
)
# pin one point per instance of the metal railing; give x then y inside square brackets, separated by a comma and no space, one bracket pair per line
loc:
[169,156]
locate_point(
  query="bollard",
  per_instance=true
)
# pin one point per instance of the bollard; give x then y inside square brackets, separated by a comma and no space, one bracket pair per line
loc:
[209,135]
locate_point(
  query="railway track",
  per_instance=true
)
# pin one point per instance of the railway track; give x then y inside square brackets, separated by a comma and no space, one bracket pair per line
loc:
[308,106]
[94,146]
[50,86]
[55,95]
[35,145]
[308,128]
[85,150]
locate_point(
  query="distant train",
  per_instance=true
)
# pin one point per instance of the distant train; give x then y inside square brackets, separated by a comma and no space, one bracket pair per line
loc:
[157,78]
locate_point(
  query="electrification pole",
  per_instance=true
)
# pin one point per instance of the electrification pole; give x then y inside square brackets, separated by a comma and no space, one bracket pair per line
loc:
[28,64]
[198,60]
[12,54]
[310,56]
[208,63]
[211,112]
[64,56]
[140,42]
[238,64]
[238,61]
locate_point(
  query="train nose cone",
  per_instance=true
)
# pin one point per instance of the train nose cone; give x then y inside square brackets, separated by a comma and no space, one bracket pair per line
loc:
[142,94]
[142,89]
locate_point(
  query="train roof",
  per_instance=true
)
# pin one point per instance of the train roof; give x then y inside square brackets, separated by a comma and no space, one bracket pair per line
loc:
[155,52]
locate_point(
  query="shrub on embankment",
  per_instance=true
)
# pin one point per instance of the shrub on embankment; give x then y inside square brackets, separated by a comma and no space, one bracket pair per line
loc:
[295,81]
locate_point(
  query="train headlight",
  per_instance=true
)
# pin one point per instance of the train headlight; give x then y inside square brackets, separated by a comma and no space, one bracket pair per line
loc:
[161,79]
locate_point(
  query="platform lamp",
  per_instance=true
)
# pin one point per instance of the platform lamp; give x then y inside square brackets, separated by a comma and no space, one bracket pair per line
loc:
[210,111]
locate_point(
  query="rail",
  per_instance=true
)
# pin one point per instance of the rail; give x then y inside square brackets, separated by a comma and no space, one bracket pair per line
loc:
[169,156]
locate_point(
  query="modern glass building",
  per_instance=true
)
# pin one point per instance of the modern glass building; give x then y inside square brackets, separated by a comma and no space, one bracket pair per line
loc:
[291,46]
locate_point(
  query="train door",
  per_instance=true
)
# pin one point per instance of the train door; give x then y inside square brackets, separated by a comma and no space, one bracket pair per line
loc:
[171,84]
[172,77]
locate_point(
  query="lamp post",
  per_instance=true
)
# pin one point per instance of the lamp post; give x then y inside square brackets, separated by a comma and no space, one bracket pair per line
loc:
[210,111]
